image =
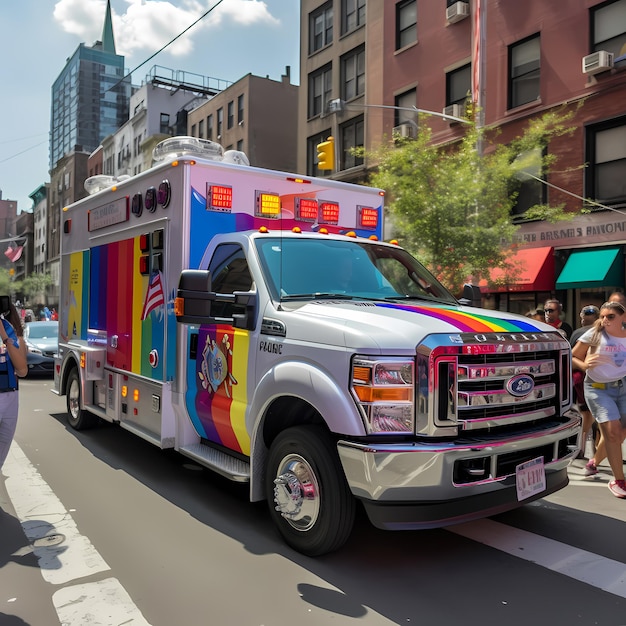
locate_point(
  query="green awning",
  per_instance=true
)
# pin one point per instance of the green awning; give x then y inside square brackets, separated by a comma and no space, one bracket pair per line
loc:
[593,268]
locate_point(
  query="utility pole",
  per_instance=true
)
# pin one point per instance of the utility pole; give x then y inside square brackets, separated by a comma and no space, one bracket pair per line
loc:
[479,67]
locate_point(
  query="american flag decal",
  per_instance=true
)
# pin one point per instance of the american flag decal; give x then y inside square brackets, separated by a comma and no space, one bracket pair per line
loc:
[155,297]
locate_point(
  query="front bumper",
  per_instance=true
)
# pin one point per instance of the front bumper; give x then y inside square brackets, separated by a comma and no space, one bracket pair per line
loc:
[415,485]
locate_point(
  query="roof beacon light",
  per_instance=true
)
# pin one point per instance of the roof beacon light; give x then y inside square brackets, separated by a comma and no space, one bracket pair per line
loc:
[97,183]
[187,146]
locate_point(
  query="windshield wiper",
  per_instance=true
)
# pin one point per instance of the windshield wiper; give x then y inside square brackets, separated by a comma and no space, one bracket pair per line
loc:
[318,296]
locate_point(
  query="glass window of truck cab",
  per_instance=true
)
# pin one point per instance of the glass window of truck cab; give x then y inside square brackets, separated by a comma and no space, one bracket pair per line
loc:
[229,273]
[312,268]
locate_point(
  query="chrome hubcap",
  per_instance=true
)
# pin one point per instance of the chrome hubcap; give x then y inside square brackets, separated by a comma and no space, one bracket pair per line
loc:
[296,492]
[73,398]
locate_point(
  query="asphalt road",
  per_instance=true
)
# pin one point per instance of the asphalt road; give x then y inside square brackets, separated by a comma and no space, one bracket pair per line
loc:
[100,527]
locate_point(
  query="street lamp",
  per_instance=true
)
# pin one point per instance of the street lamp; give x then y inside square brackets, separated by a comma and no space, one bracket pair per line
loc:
[338,106]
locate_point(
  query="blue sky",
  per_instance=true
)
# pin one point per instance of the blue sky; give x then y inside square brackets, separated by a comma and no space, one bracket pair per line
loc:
[238,37]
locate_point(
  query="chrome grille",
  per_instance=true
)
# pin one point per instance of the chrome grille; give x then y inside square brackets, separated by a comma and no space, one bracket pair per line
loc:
[485,383]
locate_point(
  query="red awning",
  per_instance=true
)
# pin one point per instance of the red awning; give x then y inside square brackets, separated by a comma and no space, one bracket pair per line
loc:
[534,272]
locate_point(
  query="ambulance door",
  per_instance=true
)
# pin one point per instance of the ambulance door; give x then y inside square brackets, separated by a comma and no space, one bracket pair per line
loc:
[219,361]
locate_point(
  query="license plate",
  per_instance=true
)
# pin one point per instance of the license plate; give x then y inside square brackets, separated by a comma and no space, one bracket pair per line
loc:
[530,478]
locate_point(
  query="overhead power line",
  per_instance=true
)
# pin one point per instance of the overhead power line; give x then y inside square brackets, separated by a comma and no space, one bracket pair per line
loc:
[169,43]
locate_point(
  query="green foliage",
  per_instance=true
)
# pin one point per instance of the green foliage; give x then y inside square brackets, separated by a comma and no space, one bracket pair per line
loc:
[6,285]
[451,206]
[34,286]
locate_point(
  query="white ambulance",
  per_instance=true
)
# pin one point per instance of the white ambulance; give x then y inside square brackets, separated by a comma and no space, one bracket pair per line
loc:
[255,321]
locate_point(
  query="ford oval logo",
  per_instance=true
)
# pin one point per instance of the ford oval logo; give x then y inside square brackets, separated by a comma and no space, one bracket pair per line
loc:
[520,385]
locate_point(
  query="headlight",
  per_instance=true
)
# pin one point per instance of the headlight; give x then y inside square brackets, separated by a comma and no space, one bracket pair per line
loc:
[33,349]
[384,391]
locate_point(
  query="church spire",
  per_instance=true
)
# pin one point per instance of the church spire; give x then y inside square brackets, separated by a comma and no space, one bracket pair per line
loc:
[108,41]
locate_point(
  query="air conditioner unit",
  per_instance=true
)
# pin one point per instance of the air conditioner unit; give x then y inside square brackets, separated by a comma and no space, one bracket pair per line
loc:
[453,110]
[599,61]
[404,130]
[457,12]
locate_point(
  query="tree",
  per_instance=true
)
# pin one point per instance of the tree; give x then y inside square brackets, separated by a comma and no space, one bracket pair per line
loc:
[34,286]
[451,206]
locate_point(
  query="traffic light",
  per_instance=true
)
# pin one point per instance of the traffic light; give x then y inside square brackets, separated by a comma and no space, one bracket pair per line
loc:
[326,154]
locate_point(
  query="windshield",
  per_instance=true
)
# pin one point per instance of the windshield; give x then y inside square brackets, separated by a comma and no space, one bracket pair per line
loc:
[42,330]
[317,268]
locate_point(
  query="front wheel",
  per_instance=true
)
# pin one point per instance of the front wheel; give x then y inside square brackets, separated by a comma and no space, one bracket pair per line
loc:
[78,418]
[308,496]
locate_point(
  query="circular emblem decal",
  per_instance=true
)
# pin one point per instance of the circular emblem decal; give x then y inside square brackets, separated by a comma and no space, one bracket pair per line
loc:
[520,385]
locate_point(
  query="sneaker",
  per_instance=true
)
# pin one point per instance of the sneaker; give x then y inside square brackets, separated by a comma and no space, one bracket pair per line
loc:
[591,469]
[618,488]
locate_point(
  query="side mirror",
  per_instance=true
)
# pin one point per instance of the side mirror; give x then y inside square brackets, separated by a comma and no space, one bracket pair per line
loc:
[195,302]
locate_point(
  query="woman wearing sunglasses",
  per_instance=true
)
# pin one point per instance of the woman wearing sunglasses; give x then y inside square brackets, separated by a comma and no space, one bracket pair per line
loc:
[601,354]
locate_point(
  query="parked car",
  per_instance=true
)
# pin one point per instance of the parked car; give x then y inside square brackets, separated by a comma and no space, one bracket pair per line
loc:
[42,341]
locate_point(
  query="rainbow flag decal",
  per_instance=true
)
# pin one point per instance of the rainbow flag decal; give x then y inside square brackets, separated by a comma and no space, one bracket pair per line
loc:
[465,322]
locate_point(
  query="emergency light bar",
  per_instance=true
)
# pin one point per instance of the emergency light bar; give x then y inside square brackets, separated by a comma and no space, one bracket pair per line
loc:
[306,209]
[97,183]
[187,146]
[267,204]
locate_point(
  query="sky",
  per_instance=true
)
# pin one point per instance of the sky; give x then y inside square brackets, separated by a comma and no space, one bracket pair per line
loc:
[236,38]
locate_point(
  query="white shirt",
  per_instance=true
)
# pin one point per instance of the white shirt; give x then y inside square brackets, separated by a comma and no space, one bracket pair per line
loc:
[613,366]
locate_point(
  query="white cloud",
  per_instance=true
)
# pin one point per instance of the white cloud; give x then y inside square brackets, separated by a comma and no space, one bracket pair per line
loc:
[148,25]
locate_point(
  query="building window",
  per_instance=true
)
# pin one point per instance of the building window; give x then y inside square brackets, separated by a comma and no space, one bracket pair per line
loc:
[321,27]
[320,89]
[201,129]
[231,115]
[209,126]
[353,74]
[606,155]
[530,191]
[608,27]
[193,130]
[524,63]
[406,23]
[352,136]
[240,109]
[352,15]
[406,100]
[220,122]
[164,124]
[459,85]
[311,154]
[240,145]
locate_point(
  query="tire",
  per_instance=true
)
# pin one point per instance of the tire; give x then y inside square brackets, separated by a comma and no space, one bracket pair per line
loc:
[308,497]
[77,418]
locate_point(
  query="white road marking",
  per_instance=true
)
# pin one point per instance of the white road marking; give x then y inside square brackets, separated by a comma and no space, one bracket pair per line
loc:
[43,515]
[63,553]
[590,568]
[105,602]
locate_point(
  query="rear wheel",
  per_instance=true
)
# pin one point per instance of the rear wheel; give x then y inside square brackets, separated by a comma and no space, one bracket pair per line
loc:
[308,496]
[78,418]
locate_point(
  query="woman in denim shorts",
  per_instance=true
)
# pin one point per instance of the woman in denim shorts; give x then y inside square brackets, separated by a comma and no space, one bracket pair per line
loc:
[601,354]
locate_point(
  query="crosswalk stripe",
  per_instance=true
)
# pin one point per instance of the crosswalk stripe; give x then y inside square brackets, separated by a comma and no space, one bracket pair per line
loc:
[64,554]
[587,567]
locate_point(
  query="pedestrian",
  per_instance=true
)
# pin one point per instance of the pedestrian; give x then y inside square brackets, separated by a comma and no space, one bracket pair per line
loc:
[601,354]
[553,310]
[588,315]
[12,364]
[616,296]
[537,314]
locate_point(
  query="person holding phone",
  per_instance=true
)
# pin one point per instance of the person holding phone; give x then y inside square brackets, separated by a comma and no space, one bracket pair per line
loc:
[13,364]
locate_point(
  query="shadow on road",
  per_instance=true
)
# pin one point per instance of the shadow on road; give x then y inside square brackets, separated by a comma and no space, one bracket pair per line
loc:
[409,577]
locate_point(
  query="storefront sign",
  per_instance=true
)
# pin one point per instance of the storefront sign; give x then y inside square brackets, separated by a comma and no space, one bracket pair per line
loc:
[593,228]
